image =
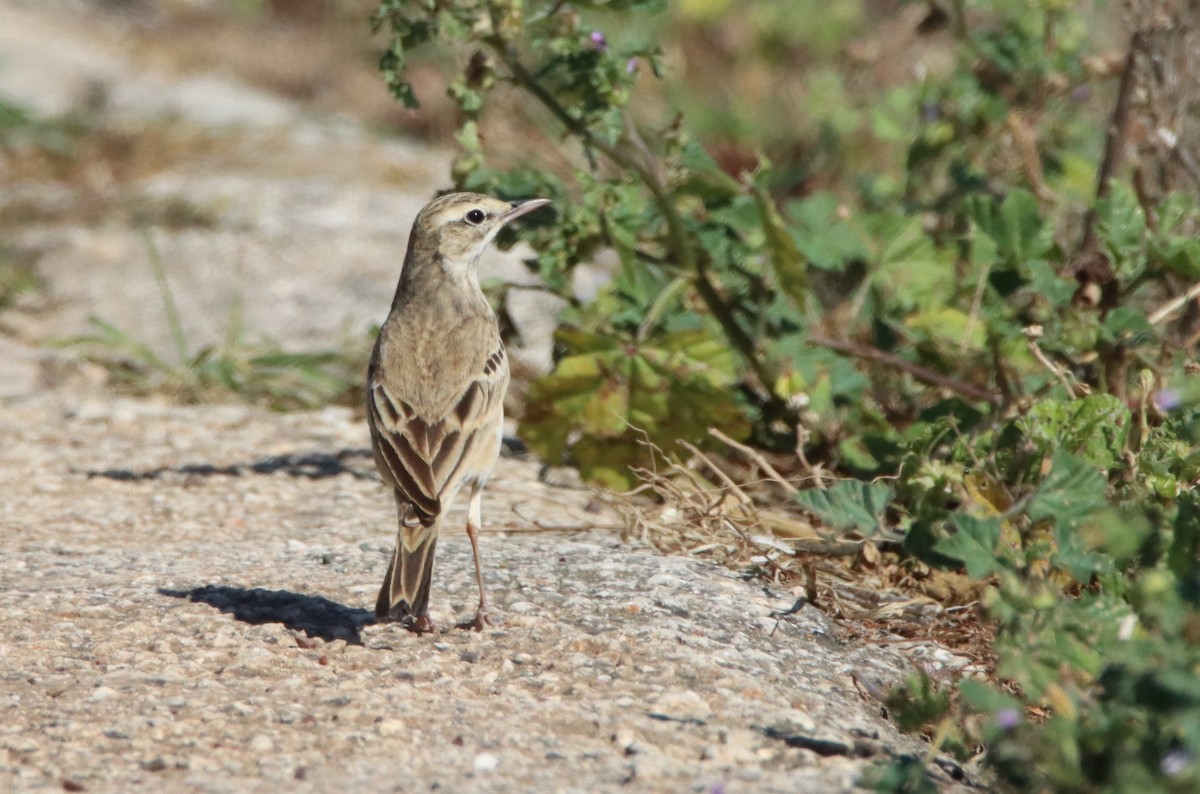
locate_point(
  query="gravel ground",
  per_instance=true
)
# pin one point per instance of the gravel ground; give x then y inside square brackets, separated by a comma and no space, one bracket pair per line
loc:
[184,605]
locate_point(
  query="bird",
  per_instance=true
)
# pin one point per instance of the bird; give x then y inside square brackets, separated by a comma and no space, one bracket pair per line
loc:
[435,394]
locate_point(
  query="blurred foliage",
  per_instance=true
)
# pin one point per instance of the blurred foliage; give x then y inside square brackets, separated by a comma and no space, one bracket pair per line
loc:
[921,282]
[20,130]
[257,371]
[17,275]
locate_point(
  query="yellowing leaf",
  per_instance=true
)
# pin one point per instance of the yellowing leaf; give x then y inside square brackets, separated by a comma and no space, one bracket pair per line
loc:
[603,414]
[950,326]
[583,342]
[790,268]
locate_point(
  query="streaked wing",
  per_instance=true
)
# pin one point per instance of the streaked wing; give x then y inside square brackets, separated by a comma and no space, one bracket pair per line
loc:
[427,459]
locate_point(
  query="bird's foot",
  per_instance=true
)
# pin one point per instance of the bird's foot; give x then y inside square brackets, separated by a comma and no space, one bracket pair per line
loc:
[481,619]
[417,624]
[420,624]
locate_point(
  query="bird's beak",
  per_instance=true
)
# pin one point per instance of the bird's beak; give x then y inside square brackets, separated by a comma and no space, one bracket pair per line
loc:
[519,208]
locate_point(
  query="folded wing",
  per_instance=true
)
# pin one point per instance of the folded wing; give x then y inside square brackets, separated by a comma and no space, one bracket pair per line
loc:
[427,458]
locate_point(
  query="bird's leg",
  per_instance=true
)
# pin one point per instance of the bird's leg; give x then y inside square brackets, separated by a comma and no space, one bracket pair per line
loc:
[473,522]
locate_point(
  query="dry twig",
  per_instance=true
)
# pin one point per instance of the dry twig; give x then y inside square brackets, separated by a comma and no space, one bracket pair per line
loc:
[755,456]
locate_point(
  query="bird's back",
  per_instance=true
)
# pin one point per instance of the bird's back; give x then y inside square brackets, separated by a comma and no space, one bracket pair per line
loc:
[430,349]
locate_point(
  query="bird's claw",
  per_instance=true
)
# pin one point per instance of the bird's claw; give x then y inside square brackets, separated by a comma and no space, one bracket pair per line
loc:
[420,625]
[480,620]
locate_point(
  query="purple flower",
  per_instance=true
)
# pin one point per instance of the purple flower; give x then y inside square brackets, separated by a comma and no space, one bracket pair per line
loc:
[599,40]
[1167,399]
[631,66]
[1008,719]
[1174,762]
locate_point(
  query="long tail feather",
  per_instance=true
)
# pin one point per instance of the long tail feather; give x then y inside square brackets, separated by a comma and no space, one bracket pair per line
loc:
[405,591]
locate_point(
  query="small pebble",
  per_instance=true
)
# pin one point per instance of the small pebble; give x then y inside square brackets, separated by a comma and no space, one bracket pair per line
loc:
[486,762]
[391,727]
[103,693]
[261,743]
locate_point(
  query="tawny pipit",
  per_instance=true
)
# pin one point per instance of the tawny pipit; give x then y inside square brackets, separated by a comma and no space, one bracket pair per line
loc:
[435,392]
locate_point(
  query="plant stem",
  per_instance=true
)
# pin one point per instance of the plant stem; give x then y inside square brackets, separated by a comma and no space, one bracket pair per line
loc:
[680,243]
[173,322]
[1114,143]
[522,77]
[961,388]
[738,337]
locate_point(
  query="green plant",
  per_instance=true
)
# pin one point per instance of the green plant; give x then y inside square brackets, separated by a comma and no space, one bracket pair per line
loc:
[20,129]
[256,372]
[954,286]
[686,234]
[717,256]
[17,275]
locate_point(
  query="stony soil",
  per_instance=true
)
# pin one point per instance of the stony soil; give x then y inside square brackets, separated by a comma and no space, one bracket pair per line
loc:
[185,591]
[184,603]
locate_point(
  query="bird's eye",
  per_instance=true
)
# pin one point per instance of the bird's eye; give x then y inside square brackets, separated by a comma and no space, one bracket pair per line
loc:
[475,217]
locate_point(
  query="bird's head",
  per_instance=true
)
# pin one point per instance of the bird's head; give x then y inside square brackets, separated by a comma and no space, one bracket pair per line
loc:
[457,227]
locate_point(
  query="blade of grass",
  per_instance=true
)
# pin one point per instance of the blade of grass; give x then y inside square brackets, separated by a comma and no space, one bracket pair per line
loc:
[160,276]
[112,337]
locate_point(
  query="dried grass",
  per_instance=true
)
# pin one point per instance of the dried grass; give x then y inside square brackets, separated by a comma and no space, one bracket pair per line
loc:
[741,516]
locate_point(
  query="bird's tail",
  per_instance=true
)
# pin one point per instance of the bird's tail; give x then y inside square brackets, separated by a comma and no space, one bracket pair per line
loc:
[405,592]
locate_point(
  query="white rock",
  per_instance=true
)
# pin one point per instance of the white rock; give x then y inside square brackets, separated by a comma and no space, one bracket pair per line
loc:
[391,727]
[261,743]
[103,693]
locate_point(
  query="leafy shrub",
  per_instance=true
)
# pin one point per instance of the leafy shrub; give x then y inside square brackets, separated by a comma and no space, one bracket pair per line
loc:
[951,266]
[951,303]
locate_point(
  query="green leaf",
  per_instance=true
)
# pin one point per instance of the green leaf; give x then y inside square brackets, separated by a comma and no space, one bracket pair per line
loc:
[1072,555]
[599,407]
[1072,491]
[824,237]
[789,266]
[849,504]
[1121,223]
[909,264]
[578,341]
[701,176]
[952,328]
[985,698]
[1126,325]
[1178,254]
[1049,285]
[1014,224]
[1184,555]
[974,544]
[1095,428]
[904,775]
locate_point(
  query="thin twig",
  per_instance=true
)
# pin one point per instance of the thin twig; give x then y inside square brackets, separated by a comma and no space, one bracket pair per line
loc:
[1063,377]
[725,478]
[1114,143]
[840,548]
[959,387]
[1173,305]
[755,456]
[976,305]
[540,526]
